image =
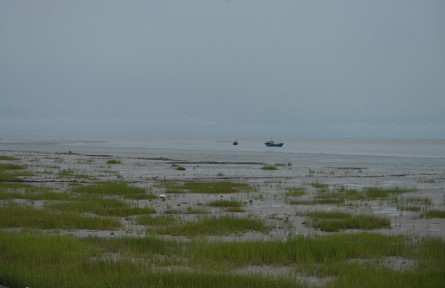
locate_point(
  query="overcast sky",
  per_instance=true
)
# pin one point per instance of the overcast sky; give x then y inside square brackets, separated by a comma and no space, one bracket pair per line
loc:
[223,68]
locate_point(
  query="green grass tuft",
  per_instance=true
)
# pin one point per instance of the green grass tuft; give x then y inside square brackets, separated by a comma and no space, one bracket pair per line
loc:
[296,191]
[216,187]
[19,216]
[435,214]
[156,220]
[269,167]
[113,188]
[337,220]
[11,172]
[223,225]
[10,166]
[378,193]
[8,158]
[102,207]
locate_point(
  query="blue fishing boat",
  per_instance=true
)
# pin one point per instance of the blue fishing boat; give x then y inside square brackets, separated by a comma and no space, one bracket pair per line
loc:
[272,143]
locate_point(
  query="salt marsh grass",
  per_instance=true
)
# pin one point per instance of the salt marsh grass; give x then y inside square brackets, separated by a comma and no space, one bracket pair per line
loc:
[414,204]
[19,216]
[62,261]
[418,200]
[180,168]
[140,247]
[379,193]
[337,220]
[183,250]
[233,206]
[296,191]
[102,207]
[320,186]
[214,187]
[235,209]
[41,195]
[223,225]
[44,261]
[149,220]
[26,191]
[340,195]
[226,203]
[11,166]
[435,213]
[331,255]
[299,250]
[10,172]
[269,167]
[8,158]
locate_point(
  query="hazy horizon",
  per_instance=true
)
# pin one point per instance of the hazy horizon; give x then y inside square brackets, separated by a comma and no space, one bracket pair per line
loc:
[343,69]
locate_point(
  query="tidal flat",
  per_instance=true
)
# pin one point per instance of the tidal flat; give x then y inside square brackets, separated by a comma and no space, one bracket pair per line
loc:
[76,219]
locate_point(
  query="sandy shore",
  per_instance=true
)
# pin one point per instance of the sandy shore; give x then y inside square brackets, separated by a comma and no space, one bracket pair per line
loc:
[269,201]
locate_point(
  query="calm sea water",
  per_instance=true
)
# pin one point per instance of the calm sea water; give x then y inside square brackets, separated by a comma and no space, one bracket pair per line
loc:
[377,156]
[222,148]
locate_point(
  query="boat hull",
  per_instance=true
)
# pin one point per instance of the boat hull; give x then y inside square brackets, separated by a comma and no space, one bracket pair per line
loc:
[274,144]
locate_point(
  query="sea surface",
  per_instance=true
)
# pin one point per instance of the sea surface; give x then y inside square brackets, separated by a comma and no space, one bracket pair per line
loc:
[419,148]
[322,151]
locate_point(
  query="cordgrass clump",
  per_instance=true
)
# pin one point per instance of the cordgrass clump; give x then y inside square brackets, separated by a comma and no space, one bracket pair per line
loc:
[269,167]
[149,247]
[214,187]
[8,158]
[19,216]
[296,191]
[10,166]
[10,172]
[235,209]
[114,161]
[30,192]
[103,207]
[321,187]
[223,225]
[341,195]
[337,220]
[435,214]
[379,193]
[149,220]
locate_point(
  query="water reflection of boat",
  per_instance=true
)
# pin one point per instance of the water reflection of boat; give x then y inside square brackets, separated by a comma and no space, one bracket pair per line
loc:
[272,143]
